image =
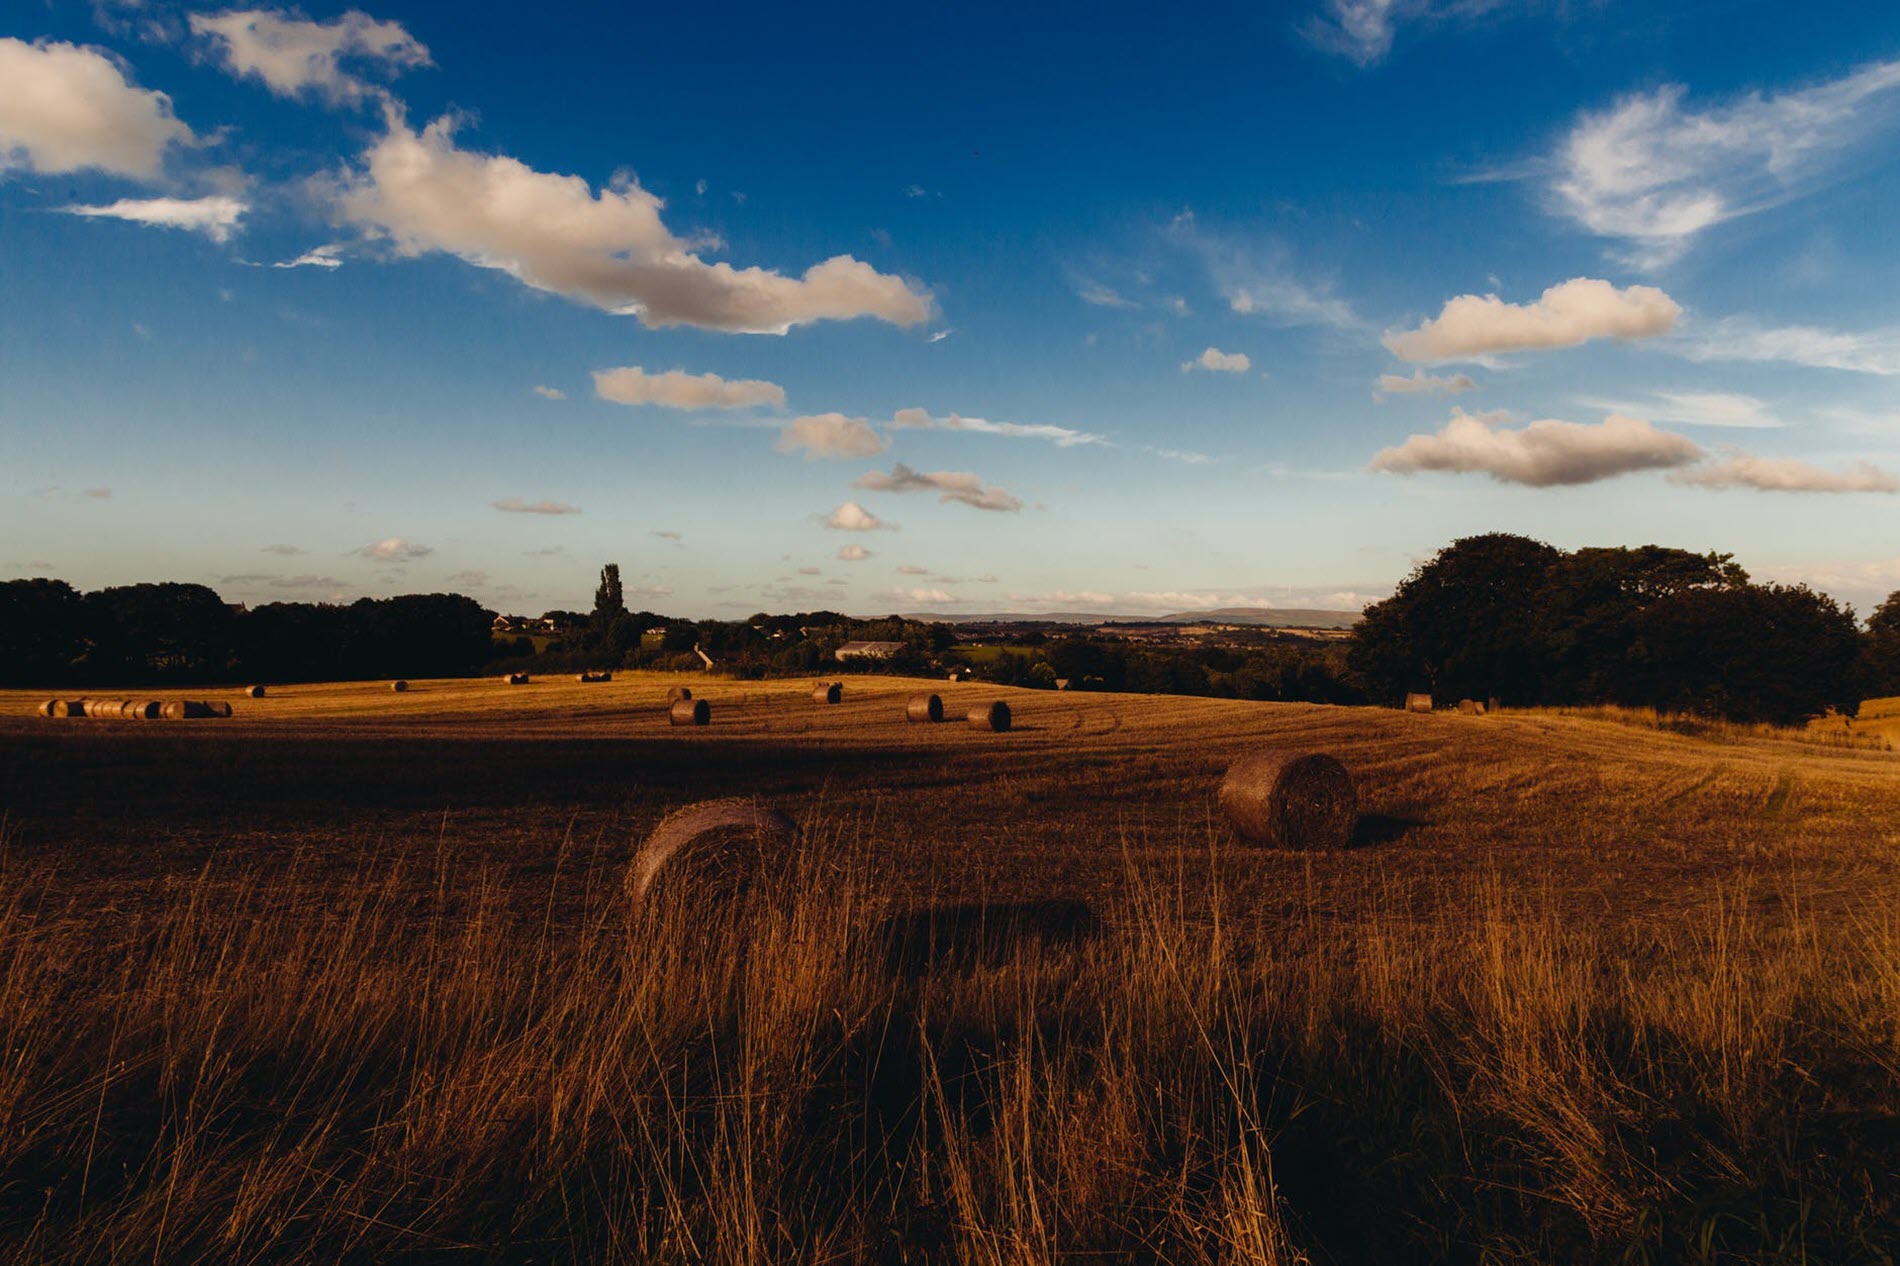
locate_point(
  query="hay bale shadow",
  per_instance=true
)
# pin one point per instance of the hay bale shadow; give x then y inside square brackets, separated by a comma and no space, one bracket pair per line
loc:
[979,934]
[1383,828]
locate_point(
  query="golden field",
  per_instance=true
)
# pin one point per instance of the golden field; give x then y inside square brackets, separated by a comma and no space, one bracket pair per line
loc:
[351,976]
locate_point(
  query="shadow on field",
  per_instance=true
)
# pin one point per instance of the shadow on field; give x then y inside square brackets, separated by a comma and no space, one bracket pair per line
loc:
[980,934]
[1383,828]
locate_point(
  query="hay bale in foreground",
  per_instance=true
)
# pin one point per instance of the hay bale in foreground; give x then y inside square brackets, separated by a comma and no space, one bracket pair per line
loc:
[690,712]
[253,692]
[1290,799]
[399,686]
[831,692]
[990,716]
[675,693]
[716,847]
[927,709]
[1471,707]
[1418,703]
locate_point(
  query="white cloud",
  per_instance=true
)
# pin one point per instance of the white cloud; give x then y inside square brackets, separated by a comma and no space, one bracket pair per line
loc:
[99,494]
[1740,339]
[1216,361]
[216,216]
[515,505]
[852,517]
[1695,408]
[1865,583]
[67,108]
[949,485]
[1363,30]
[831,435]
[1652,174]
[1060,436]
[395,550]
[1097,295]
[1258,278]
[1786,474]
[291,55]
[1420,381]
[549,393]
[1063,598]
[912,569]
[1471,327]
[609,249]
[677,389]
[316,257]
[852,553]
[920,595]
[1543,454]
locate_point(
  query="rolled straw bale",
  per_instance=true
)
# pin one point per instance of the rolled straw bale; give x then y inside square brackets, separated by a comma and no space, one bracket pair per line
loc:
[46,709]
[173,711]
[593,677]
[690,712]
[516,679]
[187,710]
[715,847]
[253,692]
[990,716]
[105,707]
[832,692]
[1418,703]
[1471,707]
[1290,799]
[144,710]
[219,708]
[675,693]
[399,686]
[69,708]
[924,708]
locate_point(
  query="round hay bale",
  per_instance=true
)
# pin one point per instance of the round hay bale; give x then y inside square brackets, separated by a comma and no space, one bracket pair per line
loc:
[46,709]
[253,692]
[515,679]
[675,693]
[1418,703]
[1290,799]
[68,708]
[399,686]
[105,707]
[219,708]
[990,716]
[593,677]
[145,710]
[1471,707]
[832,692]
[925,709]
[173,711]
[690,712]
[714,847]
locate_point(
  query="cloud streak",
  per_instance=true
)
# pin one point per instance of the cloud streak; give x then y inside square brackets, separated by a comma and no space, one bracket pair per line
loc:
[215,216]
[949,485]
[677,389]
[515,505]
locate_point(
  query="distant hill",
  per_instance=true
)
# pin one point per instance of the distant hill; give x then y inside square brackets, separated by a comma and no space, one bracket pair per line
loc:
[1260,617]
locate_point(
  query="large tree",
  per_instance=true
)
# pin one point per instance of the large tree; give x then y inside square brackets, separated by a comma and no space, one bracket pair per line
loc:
[43,631]
[1883,647]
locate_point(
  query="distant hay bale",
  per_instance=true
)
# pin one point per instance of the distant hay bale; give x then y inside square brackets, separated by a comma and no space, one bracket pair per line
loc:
[831,692]
[593,677]
[191,710]
[1471,707]
[676,693]
[714,848]
[1418,703]
[924,708]
[1290,799]
[690,712]
[105,707]
[219,709]
[46,709]
[515,679]
[254,692]
[990,716]
[399,686]
[66,708]
[1492,704]
[173,711]
[144,710]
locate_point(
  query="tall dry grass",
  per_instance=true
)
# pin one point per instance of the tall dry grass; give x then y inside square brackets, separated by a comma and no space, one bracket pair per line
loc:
[268,1070]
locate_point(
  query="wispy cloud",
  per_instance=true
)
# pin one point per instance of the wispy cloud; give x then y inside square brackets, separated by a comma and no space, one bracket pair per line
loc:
[1060,436]
[515,505]
[291,56]
[98,494]
[677,389]
[1652,173]
[949,485]
[1693,408]
[285,550]
[1260,278]
[329,256]
[549,393]
[215,216]
[1743,339]
[1420,381]
[1363,30]
[1786,474]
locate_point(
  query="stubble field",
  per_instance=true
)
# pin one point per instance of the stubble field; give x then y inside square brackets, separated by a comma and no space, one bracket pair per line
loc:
[352,973]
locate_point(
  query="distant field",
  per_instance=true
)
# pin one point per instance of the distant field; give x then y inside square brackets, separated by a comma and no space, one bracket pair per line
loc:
[351,975]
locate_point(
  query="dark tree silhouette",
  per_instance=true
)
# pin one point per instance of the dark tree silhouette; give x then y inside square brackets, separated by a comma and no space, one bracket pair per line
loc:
[43,631]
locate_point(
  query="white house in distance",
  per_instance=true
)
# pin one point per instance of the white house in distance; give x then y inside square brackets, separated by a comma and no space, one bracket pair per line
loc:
[868,650]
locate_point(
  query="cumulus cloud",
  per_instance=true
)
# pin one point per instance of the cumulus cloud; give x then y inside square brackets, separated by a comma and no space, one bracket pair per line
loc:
[216,216]
[1420,381]
[1216,361]
[316,257]
[293,56]
[549,393]
[1653,174]
[1741,339]
[831,435]
[396,549]
[677,389]
[1786,474]
[609,249]
[67,108]
[515,505]
[852,553]
[949,485]
[852,517]
[1471,327]
[1542,454]
[1060,436]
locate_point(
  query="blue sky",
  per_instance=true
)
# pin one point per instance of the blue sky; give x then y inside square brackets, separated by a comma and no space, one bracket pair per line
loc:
[968,310]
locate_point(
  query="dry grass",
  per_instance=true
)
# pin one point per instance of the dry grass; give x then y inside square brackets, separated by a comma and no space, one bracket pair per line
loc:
[1585,992]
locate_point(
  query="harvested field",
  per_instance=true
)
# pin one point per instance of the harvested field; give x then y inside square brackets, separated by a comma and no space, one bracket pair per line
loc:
[355,976]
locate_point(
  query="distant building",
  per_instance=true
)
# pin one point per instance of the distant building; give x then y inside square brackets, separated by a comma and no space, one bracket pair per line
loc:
[868,650]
